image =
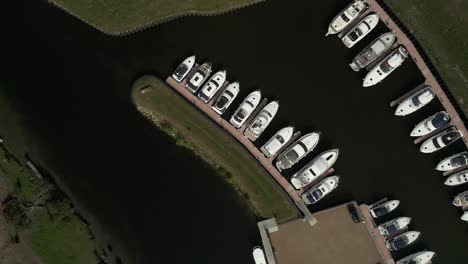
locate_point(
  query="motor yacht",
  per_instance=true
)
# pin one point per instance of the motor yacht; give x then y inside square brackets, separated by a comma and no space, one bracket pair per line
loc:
[183,69]
[422,257]
[276,142]
[262,120]
[245,109]
[297,151]
[314,169]
[369,54]
[402,240]
[431,124]
[385,67]
[394,226]
[464,216]
[461,199]
[347,16]
[453,162]
[200,75]
[415,101]
[458,178]
[226,98]
[320,190]
[212,86]
[258,255]
[360,30]
[384,208]
[440,140]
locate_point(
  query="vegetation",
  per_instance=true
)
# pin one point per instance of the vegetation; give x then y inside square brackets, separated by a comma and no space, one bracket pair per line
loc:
[120,16]
[442,29]
[191,129]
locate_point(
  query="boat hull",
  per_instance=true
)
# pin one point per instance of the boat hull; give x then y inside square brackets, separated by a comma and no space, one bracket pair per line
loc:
[278,141]
[406,107]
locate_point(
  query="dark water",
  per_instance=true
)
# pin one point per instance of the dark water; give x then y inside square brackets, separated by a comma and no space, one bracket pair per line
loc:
[160,203]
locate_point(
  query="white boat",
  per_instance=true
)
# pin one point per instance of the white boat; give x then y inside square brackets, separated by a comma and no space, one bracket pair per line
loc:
[360,30]
[458,178]
[373,51]
[440,140]
[402,240]
[183,69]
[464,216]
[212,86]
[226,98]
[422,257]
[453,162]
[258,255]
[262,120]
[384,208]
[415,101]
[197,79]
[245,109]
[276,142]
[314,169]
[430,124]
[385,67]
[347,16]
[297,151]
[394,226]
[461,199]
[323,188]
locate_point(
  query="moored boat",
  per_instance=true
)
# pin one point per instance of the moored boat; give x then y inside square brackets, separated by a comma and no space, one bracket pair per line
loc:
[464,216]
[183,69]
[212,86]
[201,74]
[384,208]
[415,101]
[226,98]
[461,199]
[440,140]
[258,255]
[422,257]
[360,30]
[385,67]
[453,162]
[323,188]
[277,141]
[458,178]
[394,226]
[430,124]
[314,169]
[245,109]
[370,53]
[346,17]
[297,151]
[402,240]
[262,120]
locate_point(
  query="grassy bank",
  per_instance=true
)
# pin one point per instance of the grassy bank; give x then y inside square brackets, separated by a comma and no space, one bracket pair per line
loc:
[120,16]
[193,130]
[441,27]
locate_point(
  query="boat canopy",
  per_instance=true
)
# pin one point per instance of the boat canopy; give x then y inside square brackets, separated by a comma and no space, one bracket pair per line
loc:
[400,242]
[460,160]
[181,70]
[440,119]
[450,137]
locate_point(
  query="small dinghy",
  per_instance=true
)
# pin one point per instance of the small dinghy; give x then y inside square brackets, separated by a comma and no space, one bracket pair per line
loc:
[197,79]
[461,200]
[384,208]
[183,69]
[415,102]
[212,86]
[320,190]
[403,240]
[430,124]
[458,178]
[385,67]
[369,54]
[258,255]
[297,151]
[226,98]
[464,216]
[314,169]
[245,109]
[440,140]
[394,226]
[361,30]
[422,257]
[346,17]
[261,121]
[276,142]
[453,162]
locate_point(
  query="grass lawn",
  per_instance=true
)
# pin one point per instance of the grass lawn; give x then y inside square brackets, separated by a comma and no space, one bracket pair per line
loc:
[441,27]
[115,16]
[193,130]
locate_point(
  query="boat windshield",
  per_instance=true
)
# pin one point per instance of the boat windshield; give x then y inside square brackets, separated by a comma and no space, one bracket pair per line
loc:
[292,155]
[280,139]
[354,35]
[222,102]
[391,229]
[386,67]
[345,18]
[439,120]
[317,194]
[459,160]
[181,70]
[240,115]
[400,242]
[381,210]
[416,101]
[450,137]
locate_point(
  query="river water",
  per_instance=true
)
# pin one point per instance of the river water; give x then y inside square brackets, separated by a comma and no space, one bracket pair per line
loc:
[159,203]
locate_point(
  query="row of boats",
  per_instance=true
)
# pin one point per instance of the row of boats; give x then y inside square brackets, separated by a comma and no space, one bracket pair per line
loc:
[375,50]
[205,87]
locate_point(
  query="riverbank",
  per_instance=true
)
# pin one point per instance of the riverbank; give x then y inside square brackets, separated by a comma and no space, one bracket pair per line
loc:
[128,16]
[445,43]
[192,130]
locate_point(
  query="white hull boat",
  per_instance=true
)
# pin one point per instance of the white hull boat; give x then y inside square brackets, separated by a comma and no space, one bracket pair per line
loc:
[464,216]
[320,190]
[440,140]
[385,67]
[453,162]
[245,109]
[422,257]
[212,86]
[276,142]
[458,178]
[262,120]
[226,98]
[258,255]
[384,208]
[361,30]
[373,51]
[415,101]
[197,79]
[394,226]
[314,169]
[461,200]
[430,124]
[297,151]
[346,17]
[183,69]
[402,240]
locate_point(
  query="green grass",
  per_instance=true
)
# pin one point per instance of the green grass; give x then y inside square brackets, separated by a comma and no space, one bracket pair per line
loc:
[195,131]
[441,27]
[115,16]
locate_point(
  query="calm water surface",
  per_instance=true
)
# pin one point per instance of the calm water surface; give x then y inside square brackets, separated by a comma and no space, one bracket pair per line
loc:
[161,204]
